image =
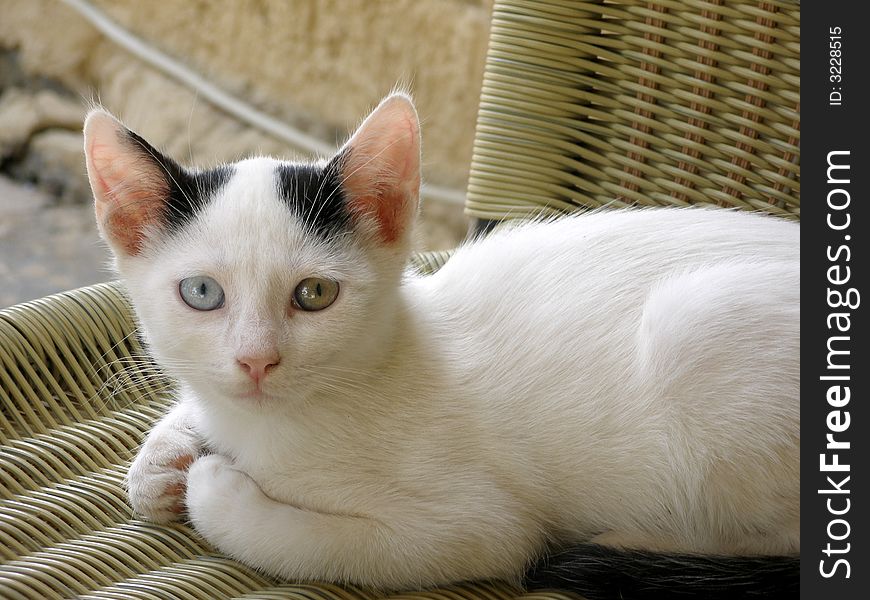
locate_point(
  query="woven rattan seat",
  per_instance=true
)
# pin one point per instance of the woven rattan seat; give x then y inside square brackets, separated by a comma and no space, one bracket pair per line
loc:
[588,104]
[584,104]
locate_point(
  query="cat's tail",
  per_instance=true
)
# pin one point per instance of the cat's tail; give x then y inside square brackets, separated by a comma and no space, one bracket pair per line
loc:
[602,573]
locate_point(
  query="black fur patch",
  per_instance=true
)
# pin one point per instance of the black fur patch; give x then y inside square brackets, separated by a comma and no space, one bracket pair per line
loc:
[189,190]
[316,196]
[601,573]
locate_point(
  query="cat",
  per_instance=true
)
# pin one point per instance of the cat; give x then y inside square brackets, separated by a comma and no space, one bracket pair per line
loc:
[621,382]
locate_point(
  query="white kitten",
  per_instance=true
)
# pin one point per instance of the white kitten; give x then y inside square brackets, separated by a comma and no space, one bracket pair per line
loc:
[626,377]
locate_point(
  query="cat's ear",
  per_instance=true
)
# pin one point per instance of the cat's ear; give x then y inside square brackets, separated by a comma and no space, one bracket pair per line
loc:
[129,180]
[380,168]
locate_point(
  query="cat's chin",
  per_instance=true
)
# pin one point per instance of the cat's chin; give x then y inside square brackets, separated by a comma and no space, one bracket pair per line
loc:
[239,396]
[245,398]
[255,397]
[252,396]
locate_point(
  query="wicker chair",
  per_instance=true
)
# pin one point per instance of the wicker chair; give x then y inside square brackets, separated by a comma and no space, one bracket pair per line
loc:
[583,104]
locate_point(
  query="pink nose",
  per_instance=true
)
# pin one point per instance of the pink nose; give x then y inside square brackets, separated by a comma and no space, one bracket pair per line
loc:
[258,366]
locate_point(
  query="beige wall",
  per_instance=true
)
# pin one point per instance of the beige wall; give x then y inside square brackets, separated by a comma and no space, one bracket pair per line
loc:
[317,63]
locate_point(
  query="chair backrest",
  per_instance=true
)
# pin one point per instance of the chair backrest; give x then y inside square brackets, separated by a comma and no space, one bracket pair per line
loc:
[622,102]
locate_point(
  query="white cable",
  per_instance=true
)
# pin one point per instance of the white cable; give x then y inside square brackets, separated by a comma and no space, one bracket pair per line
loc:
[227,102]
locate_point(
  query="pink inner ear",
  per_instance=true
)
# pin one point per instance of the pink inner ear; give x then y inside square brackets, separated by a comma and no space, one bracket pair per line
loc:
[389,211]
[381,171]
[125,223]
[129,190]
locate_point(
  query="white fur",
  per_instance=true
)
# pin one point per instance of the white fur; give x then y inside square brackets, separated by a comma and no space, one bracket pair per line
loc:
[631,375]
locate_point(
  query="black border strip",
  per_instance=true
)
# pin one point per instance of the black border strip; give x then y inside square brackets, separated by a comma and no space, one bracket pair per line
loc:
[835,224]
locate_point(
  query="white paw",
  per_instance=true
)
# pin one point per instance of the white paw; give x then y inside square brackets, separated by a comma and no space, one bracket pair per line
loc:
[218,495]
[156,479]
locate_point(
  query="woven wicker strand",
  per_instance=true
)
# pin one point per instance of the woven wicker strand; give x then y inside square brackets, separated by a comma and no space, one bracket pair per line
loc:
[665,103]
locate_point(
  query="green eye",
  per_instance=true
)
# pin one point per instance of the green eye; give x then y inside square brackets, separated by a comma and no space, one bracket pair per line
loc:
[201,292]
[315,293]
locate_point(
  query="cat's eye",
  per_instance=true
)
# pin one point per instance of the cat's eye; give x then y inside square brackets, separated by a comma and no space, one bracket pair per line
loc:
[315,293]
[201,292]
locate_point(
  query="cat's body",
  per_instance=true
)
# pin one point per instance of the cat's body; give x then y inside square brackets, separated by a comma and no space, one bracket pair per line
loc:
[629,377]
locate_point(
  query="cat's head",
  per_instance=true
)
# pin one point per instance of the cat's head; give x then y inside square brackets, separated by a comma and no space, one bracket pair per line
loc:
[261,281]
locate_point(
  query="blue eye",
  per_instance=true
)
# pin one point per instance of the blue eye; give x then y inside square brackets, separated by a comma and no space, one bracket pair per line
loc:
[201,292]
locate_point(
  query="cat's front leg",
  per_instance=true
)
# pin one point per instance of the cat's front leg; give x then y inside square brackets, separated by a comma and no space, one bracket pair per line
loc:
[222,500]
[394,549]
[230,510]
[156,479]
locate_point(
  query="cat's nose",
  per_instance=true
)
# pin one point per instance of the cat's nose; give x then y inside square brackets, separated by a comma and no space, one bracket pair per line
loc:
[258,366]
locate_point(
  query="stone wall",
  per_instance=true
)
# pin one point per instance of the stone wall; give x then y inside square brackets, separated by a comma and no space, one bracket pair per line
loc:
[319,65]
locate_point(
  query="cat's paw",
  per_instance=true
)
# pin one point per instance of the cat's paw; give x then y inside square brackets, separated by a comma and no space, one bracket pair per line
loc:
[216,488]
[156,479]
